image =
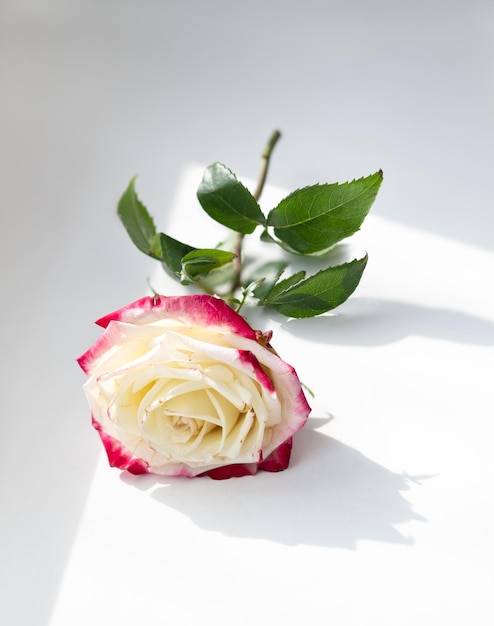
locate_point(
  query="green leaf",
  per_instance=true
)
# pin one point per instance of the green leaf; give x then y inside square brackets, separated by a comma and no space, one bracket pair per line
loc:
[317,294]
[137,221]
[227,201]
[172,252]
[266,276]
[200,262]
[285,284]
[311,220]
[267,238]
[155,249]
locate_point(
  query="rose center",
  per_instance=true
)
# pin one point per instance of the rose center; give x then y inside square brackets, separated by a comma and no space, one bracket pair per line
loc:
[184,424]
[182,419]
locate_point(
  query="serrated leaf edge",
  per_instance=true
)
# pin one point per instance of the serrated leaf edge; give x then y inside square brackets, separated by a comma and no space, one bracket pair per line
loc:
[274,303]
[378,181]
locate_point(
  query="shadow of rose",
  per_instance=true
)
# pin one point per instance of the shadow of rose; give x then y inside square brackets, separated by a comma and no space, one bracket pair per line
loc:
[331,496]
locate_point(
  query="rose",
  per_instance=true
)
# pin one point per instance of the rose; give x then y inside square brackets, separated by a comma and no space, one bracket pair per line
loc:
[183,386]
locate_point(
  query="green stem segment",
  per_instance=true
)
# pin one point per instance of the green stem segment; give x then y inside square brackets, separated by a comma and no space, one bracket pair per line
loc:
[265,156]
[237,261]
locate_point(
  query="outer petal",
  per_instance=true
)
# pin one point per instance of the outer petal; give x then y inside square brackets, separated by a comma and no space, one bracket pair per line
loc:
[232,471]
[277,461]
[118,456]
[99,347]
[296,409]
[197,310]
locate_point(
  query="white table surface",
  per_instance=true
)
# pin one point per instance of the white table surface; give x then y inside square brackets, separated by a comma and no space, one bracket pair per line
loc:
[385,515]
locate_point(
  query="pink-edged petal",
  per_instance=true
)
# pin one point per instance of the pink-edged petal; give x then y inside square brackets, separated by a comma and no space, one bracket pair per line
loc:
[110,337]
[99,347]
[295,407]
[197,310]
[118,456]
[279,459]
[248,357]
[235,470]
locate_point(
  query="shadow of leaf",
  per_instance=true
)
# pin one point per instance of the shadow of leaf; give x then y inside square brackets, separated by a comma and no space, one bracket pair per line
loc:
[331,496]
[373,322]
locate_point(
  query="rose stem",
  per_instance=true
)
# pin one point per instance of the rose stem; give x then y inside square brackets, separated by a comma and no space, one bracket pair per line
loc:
[265,156]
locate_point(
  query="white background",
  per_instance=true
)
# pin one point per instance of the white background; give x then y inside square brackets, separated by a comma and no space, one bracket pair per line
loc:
[385,515]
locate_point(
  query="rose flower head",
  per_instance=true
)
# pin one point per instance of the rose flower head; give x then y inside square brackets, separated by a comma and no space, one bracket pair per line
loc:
[183,386]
